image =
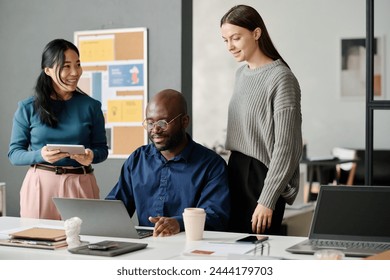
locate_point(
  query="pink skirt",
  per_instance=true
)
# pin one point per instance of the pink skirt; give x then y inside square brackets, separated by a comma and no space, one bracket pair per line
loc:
[40,186]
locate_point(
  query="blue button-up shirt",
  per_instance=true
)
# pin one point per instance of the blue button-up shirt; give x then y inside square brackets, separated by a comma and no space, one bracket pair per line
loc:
[154,186]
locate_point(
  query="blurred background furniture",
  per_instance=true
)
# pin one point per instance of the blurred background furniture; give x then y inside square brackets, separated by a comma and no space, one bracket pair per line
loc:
[381,168]
[346,166]
[296,222]
[323,171]
[345,172]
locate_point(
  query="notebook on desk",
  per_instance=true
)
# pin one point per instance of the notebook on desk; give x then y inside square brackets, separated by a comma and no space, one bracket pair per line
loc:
[100,217]
[354,220]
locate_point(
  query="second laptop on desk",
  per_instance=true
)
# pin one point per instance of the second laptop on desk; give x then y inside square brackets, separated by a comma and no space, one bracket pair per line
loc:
[100,217]
[354,220]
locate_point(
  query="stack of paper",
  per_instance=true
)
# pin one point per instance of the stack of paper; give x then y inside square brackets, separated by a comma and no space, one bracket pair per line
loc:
[43,238]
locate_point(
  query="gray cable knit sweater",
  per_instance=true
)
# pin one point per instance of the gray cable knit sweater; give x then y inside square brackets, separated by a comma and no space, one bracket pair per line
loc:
[264,122]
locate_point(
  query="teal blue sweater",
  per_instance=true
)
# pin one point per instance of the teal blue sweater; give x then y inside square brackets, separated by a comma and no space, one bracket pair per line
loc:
[80,121]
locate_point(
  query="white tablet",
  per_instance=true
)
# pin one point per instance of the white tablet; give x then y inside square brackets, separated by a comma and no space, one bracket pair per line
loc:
[64,148]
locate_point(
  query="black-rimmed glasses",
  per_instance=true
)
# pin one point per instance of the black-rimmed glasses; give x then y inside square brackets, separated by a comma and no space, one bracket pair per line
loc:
[161,124]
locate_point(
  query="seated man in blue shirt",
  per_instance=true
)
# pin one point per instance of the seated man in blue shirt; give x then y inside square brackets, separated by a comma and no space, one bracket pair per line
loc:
[159,180]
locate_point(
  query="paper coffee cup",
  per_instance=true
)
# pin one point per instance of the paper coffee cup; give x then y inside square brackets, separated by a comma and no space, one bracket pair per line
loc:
[194,210]
[194,221]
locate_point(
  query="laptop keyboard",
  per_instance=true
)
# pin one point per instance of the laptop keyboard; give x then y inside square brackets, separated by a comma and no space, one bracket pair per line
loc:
[350,245]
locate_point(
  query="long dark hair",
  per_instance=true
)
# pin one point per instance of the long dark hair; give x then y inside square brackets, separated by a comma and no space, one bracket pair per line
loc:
[53,54]
[248,18]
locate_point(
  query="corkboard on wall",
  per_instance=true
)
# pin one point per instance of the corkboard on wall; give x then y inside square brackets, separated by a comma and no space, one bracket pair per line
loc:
[129,46]
[127,139]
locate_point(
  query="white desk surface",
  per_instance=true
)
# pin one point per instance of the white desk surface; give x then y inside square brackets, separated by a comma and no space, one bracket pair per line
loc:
[159,248]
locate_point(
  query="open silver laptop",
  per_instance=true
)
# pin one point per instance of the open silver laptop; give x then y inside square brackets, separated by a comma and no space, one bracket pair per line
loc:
[353,219]
[100,217]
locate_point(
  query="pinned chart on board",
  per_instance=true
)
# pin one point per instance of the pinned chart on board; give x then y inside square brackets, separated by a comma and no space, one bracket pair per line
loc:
[114,63]
[124,111]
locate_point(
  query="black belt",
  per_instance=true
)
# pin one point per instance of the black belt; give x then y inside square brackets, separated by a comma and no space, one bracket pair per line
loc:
[65,170]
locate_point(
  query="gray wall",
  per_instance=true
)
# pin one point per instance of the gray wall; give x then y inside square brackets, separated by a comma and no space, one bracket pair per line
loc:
[26,26]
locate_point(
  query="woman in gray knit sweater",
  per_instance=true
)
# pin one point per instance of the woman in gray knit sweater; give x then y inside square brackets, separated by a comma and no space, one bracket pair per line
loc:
[264,126]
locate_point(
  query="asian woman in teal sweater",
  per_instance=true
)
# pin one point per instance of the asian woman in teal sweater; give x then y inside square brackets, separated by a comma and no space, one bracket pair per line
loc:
[58,113]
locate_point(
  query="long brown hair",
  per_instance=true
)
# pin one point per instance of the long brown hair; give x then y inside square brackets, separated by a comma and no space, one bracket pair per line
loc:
[248,18]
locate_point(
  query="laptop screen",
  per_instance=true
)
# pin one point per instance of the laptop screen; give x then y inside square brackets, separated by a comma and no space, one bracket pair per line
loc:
[360,213]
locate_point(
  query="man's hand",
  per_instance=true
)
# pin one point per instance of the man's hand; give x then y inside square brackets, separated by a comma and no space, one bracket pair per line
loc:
[164,226]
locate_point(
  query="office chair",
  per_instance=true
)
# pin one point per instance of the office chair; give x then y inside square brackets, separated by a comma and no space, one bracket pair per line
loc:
[345,172]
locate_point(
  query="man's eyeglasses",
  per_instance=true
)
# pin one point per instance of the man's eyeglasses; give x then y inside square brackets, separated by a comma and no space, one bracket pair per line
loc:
[161,124]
